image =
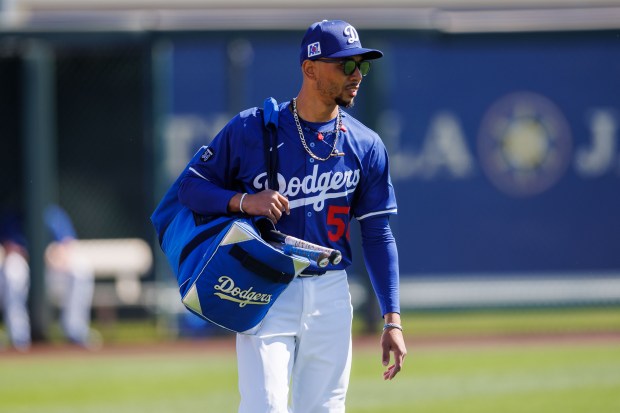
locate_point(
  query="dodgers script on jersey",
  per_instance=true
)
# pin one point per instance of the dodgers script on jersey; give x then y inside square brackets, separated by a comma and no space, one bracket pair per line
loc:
[323,195]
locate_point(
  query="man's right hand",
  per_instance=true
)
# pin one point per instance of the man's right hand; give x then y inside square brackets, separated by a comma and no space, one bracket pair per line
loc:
[268,203]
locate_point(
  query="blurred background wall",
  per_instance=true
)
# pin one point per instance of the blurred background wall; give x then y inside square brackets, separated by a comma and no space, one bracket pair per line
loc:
[501,119]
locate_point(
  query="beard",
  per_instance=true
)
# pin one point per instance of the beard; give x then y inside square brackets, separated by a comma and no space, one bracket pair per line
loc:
[327,89]
[343,103]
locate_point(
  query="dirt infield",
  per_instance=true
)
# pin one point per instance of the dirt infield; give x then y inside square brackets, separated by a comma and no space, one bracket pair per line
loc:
[227,344]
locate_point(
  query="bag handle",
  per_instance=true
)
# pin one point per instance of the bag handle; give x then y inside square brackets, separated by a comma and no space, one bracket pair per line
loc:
[258,267]
[271,112]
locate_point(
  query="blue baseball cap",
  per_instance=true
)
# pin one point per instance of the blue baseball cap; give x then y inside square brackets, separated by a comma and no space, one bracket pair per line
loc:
[333,39]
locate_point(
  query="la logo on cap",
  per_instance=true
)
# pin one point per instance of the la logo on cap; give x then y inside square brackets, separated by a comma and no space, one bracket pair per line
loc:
[314,49]
[352,34]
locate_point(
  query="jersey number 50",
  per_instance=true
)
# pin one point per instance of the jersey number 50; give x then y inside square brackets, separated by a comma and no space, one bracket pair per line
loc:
[338,217]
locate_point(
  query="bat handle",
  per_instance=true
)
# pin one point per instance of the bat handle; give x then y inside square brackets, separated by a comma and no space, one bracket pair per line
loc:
[319,258]
[335,257]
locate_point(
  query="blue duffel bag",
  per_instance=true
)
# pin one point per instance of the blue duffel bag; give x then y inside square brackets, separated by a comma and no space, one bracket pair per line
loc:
[227,274]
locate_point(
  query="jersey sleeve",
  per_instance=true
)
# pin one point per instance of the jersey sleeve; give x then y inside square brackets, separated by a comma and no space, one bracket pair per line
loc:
[59,224]
[209,182]
[381,259]
[376,195]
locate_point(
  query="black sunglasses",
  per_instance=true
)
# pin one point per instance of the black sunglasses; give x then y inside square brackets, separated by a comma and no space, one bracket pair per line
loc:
[349,65]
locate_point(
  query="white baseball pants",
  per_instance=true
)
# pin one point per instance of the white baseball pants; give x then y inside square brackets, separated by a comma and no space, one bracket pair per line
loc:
[304,345]
[14,286]
[72,288]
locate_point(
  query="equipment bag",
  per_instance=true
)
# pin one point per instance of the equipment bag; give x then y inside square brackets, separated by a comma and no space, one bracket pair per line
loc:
[227,274]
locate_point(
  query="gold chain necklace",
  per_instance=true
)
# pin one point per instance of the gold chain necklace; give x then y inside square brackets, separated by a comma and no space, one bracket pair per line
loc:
[334,151]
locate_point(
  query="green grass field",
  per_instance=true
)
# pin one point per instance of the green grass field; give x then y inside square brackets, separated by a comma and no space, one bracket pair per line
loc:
[565,375]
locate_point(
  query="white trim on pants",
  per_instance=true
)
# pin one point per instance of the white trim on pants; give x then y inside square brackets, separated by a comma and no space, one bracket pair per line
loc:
[304,342]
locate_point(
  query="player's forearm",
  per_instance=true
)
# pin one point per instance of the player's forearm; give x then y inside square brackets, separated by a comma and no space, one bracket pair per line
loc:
[381,258]
[203,197]
[392,318]
[234,204]
[382,265]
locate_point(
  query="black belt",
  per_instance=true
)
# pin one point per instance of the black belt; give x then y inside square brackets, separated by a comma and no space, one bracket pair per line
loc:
[312,273]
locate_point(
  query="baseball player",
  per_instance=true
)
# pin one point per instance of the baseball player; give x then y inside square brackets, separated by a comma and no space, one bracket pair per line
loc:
[331,169]
[15,281]
[69,277]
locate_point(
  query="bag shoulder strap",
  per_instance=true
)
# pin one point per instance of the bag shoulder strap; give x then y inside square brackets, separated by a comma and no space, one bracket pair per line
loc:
[271,112]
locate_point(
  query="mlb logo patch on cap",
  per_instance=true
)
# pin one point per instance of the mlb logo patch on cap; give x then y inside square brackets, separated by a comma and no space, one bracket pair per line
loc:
[314,49]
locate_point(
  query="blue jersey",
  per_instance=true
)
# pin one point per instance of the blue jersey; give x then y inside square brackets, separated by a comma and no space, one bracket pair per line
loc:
[323,195]
[11,230]
[59,223]
[56,220]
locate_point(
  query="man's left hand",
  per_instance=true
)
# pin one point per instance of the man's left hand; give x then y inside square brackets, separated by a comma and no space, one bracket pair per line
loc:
[392,341]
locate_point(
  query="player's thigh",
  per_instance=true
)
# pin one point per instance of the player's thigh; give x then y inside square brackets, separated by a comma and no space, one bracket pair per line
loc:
[323,362]
[264,369]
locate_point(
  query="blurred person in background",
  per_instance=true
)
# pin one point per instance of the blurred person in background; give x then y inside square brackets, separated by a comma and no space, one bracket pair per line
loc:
[69,279]
[14,280]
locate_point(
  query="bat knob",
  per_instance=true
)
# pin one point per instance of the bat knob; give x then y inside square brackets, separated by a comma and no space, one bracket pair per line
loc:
[335,257]
[323,262]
